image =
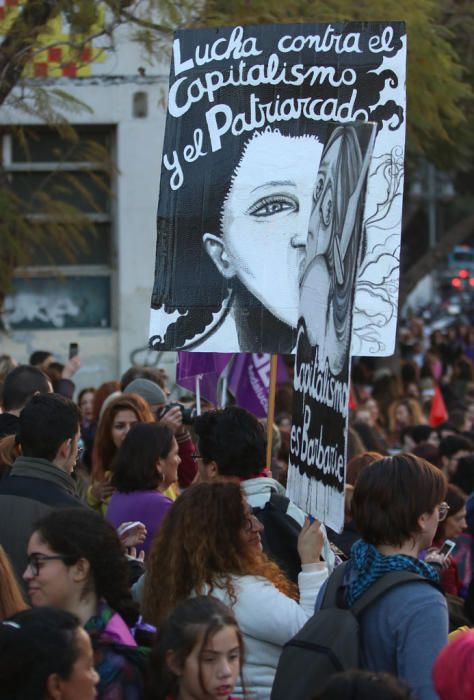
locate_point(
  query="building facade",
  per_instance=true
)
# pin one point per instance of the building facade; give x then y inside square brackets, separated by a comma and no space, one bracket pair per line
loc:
[101,298]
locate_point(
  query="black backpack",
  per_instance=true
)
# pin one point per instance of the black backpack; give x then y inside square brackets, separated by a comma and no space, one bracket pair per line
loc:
[280,534]
[329,642]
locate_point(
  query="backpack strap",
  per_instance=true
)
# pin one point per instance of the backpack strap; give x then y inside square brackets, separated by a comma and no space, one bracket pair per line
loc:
[280,502]
[385,584]
[335,584]
[333,587]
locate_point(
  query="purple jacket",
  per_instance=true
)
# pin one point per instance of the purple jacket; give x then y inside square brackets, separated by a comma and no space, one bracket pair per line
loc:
[149,507]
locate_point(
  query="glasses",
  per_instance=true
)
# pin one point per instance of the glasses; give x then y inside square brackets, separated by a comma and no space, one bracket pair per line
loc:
[443,510]
[250,522]
[34,561]
[196,455]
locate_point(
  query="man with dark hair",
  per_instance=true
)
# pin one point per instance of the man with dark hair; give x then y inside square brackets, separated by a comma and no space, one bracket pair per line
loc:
[60,375]
[451,449]
[19,386]
[41,359]
[232,443]
[40,479]
[232,446]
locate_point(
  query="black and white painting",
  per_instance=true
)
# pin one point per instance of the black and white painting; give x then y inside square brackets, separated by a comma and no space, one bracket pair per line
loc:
[249,111]
[334,250]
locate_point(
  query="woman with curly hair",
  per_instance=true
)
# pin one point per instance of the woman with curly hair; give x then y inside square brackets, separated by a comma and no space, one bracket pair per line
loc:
[76,563]
[119,416]
[209,543]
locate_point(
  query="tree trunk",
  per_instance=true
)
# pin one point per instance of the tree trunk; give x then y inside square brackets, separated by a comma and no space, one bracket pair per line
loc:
[16,47]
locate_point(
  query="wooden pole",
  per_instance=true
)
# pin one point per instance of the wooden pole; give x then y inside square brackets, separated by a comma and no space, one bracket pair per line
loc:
[198,394]
[271,407]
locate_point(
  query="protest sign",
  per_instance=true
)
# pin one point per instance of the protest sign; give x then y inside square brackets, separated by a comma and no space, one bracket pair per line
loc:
[316,471]
[248,115]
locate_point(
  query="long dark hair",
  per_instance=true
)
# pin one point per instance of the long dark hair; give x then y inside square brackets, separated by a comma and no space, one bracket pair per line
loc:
[34,644]
[195,619]
[134,467]
[78,533]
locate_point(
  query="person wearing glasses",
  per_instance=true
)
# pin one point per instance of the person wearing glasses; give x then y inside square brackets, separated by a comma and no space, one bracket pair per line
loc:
[398,503]
[450,529]
[76,563]
[41,477]
[210,543]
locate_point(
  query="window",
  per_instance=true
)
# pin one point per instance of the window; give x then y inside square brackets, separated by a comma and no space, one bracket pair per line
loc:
[64,288]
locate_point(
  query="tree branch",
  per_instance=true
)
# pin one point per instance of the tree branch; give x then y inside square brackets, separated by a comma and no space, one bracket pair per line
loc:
[15,49]
[428,262]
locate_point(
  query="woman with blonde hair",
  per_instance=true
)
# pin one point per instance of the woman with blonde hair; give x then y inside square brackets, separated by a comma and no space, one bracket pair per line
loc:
[209,543]
[401,414]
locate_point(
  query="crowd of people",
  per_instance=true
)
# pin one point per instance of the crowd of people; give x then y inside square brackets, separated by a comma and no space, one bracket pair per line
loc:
[147,553]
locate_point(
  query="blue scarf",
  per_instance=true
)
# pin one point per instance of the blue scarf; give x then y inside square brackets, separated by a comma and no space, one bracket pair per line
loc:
[367,565]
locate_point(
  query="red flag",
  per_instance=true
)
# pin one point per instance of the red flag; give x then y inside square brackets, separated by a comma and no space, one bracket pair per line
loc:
[438,412]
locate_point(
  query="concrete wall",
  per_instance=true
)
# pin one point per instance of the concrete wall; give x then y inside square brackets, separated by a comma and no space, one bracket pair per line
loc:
[105,353]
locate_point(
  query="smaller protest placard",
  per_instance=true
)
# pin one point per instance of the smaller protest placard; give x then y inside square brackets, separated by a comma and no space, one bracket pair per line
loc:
[316,470]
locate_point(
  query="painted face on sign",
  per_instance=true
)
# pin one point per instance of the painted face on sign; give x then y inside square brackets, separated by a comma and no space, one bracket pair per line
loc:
[265,220]
[316,281]
[332,250]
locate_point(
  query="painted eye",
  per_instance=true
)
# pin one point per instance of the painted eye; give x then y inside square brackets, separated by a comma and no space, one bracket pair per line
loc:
[273,205]
[318,189]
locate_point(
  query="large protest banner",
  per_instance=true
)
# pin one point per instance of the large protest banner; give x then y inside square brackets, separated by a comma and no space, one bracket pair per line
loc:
[248,116]
[318,444]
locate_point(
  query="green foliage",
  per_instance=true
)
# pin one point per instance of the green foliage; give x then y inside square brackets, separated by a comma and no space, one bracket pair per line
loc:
[45,221]
[439,84]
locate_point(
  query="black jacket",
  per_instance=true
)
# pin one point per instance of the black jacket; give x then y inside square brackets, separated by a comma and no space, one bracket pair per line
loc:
[9,424]
[33,489]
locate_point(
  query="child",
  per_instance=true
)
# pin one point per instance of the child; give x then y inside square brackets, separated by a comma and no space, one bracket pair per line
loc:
[197,654]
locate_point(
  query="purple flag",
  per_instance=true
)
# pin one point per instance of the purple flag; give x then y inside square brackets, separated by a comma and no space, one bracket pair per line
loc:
[208,366]
[249,381]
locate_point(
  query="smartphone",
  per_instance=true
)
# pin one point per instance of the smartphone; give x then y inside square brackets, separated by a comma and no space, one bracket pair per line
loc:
[447,548]
[73,350]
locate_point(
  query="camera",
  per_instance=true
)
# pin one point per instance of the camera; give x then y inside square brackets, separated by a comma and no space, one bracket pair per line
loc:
[188,414]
